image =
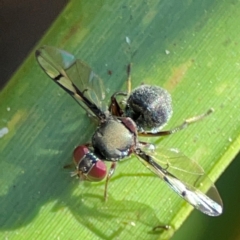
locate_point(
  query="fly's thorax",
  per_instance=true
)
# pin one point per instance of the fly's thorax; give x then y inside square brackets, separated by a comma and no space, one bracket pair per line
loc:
[115,138]
[150,107]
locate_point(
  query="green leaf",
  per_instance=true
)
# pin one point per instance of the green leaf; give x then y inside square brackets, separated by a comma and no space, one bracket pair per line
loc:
[190,48]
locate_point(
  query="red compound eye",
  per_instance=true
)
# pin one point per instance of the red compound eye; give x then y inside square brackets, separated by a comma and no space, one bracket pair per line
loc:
[89,165]
[97,172]
[79,153]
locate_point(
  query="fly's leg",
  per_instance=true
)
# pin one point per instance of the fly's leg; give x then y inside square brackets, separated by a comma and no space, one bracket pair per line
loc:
[114,107]
[110,173]
[146,146]
[129,82]
[184,125]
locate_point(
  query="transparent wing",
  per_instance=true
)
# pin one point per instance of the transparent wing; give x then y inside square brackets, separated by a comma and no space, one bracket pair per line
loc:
[75,77]
[185,177]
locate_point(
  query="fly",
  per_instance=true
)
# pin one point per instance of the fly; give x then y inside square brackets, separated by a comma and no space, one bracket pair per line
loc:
[116,135]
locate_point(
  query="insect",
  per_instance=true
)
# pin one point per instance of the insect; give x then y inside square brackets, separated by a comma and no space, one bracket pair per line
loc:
[144,112]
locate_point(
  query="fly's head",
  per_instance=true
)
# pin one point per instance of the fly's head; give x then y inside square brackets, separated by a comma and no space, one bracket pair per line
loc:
[88,165]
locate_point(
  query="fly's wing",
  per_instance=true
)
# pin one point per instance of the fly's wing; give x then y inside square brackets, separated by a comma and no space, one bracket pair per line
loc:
[75,77]
[185,177]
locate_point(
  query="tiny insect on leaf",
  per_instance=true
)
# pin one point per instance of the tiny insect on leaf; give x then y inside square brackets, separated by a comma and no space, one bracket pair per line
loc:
[146,111]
